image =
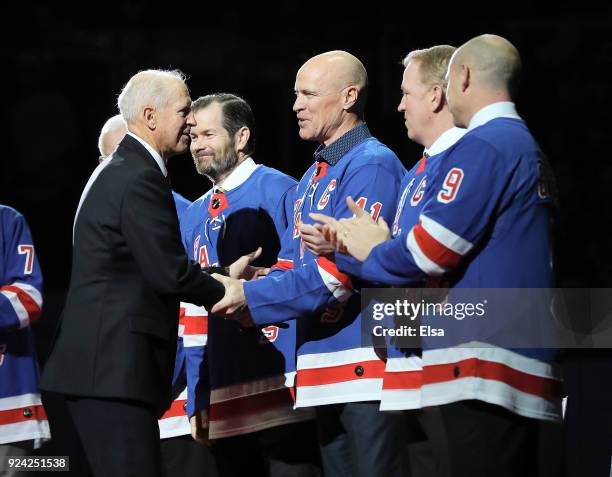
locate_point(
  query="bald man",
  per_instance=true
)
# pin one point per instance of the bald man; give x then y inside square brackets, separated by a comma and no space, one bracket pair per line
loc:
[484,224]
[337,373]
[113,354]
[113,131]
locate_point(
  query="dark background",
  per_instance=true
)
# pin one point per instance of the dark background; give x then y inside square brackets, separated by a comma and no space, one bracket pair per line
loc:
[63,70]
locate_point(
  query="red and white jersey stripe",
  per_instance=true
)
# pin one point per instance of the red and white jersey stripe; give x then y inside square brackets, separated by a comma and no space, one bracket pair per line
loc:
[175,422]
[526,386]
[338,283]
[193,325]
[435,248]
[23,418]
[351,375]
[25,300]
[283,264]
[402,384]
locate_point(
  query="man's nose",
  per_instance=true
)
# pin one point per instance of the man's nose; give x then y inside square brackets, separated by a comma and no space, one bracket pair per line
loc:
[297,104]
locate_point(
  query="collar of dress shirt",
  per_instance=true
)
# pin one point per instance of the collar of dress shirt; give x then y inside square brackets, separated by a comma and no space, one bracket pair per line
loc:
[446,140]
[503,109]
[153,152]
[334,152]
[239,175]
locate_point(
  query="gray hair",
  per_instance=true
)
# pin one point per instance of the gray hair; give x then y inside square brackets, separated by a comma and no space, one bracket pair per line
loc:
[149,87]
[112,124]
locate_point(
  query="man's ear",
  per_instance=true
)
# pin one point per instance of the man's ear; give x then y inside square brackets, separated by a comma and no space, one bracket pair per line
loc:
[241,138]
[465,78]
[351,94]
[437,98]
[149,115]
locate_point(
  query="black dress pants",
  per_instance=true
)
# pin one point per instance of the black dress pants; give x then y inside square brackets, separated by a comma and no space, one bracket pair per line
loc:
[485,440]
[120,437]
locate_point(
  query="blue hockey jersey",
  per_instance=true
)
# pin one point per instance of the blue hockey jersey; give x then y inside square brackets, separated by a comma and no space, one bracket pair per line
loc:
[333,365]
[180,203]
[244,374]
[402,379]
[484,224]
[22,416]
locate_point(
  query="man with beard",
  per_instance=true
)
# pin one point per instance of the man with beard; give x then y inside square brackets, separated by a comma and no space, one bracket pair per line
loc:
[238,379]
[114,351]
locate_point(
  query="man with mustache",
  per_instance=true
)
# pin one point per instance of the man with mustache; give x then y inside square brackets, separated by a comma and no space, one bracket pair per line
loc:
[240,380]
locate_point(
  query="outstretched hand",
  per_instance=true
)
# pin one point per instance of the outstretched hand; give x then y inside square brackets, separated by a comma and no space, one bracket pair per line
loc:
[242,268]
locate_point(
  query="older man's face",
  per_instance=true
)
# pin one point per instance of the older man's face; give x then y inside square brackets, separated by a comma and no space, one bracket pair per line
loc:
[175,122]
[318,103]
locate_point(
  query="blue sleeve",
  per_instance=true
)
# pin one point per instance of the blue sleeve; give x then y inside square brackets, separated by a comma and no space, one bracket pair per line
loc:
[296,292]
[303,290]
[21,286]
[455,217]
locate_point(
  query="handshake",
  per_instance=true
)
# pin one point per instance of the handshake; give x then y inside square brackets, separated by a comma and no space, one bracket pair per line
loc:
[233,305]
[355,236]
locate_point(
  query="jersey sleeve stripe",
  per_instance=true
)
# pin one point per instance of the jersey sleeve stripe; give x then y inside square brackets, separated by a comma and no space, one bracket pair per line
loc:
[422,261]
[447,238]
[336,282]
[25,300]
[283,264]
[435,251]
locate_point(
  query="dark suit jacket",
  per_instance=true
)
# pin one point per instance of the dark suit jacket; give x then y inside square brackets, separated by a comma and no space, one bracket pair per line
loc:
[117,334]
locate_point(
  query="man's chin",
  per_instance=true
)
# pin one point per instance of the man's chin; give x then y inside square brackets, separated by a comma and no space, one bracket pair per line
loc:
[305,134]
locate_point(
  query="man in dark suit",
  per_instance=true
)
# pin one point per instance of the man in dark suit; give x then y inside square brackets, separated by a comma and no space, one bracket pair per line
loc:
[114,351]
